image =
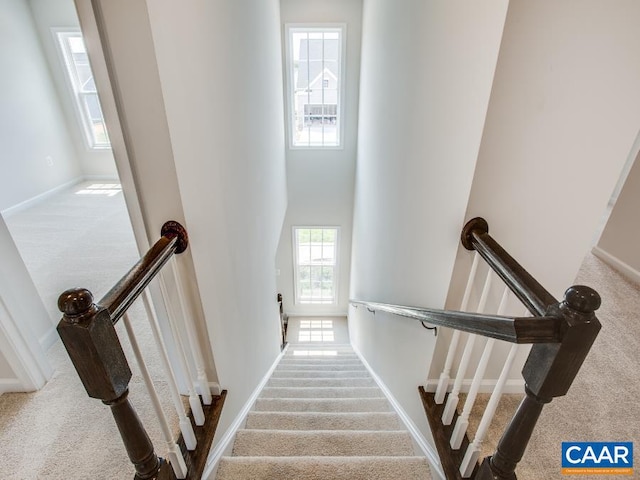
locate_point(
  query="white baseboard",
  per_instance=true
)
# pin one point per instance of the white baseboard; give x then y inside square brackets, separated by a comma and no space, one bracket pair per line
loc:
[226,441]
[101,178]
[40,197]
[11,385]
[49,339]
[486,386]
[427,449]
[617,264]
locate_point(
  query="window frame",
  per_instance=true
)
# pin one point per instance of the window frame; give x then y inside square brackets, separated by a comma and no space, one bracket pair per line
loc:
[290,84]
[78,97]
[336,266]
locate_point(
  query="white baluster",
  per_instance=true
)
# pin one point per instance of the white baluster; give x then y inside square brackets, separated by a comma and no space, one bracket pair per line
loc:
[454,396]
[186,428]
[194,399]
[203,382]
[473,450]
[443,382]
[173,452]
[463,420]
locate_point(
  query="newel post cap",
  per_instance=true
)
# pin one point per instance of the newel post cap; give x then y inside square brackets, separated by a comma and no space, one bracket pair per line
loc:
[582,299]
[76,303]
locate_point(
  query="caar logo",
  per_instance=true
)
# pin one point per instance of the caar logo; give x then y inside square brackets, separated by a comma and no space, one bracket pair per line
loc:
[593,458]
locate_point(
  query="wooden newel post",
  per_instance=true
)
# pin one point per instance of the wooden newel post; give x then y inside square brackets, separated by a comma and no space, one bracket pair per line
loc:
[89,336]
[548,373]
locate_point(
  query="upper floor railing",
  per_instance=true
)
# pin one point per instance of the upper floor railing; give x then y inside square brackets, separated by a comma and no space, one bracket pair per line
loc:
[562,334]
[88,332]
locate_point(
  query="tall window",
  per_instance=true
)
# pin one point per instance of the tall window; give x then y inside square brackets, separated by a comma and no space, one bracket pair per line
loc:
[315,84]
[83,86]
[316,259]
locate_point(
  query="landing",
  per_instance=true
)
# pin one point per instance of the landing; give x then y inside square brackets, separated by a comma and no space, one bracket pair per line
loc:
[323,331]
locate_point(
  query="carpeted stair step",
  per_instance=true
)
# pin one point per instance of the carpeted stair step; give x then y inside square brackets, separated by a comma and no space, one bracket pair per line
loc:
[323,421]
[320,373]
[321,392]
[378,404]
[321,382]
[316,366]
[286,443]
[323,468]
[320,361]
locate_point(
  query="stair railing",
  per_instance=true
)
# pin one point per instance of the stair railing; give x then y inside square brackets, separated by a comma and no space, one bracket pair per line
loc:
[87,330]
[561,333]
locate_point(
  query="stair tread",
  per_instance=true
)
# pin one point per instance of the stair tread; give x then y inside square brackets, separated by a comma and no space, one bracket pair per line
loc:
[322,468]
[320,392]
[320,373]
[321,382]
[356,404]
[323,443]
[323,421]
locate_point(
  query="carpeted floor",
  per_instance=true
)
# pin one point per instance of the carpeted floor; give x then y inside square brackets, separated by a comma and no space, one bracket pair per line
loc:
[322,416]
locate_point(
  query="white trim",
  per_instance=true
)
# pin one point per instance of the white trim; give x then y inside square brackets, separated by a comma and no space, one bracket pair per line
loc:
[226,441]
[49,339]
[317,314]
[215,388]
[514,386]
[423,444]
[7,212]
[11,385]
[95,178]
[617,264]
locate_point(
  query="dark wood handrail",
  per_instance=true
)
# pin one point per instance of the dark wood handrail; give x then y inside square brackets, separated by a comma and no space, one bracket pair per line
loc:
[475,236]
[547,329]
[88,333]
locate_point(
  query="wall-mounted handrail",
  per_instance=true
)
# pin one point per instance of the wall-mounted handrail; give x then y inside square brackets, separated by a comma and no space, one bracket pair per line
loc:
[545,329]
[173,240]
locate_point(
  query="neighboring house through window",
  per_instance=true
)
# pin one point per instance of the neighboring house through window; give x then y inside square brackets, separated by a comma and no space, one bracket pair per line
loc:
[316,260]
[315,85]
[80,77]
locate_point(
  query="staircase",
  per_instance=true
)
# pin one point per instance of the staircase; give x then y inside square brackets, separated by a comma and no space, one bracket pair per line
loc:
[322,416]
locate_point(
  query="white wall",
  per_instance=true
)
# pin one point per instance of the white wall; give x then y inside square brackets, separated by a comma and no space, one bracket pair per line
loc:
[24,323]
[32,123]
[227,135]
[426,76]
[49,14]
[320,182]
[564,112]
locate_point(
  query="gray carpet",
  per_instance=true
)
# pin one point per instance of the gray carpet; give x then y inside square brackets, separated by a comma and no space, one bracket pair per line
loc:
[321,416]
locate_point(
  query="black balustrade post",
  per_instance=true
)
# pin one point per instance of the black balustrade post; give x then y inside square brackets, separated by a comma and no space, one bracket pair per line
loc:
[89,336]
[548,372]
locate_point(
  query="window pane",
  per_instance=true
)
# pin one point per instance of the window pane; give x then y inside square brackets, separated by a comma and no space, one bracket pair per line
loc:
[81,80]
[315,271]
[315,62]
